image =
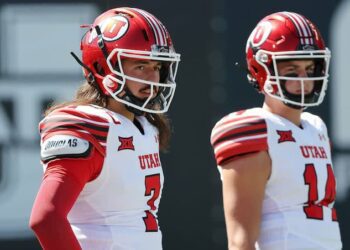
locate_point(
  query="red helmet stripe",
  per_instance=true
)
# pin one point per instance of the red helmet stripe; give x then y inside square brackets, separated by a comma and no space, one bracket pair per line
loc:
[150,23]
[302,26]
[157,27]
[296,24]
[305,27]
[161,29]
[308,29]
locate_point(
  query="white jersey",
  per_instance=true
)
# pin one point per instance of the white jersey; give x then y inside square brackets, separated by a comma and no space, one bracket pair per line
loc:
[118,209]
[298,208]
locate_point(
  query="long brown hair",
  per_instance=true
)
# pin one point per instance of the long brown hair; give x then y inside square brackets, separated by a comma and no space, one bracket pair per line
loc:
[88,94]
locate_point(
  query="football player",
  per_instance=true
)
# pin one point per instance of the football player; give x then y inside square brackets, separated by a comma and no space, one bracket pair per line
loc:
[275,161]
[103,176]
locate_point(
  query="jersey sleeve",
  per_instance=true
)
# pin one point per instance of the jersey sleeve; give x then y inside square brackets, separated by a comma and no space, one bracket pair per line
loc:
[71,133]
[238,134]
[61,185]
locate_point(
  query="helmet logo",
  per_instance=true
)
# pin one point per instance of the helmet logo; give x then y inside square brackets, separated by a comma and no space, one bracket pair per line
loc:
[259,34]
[112,28]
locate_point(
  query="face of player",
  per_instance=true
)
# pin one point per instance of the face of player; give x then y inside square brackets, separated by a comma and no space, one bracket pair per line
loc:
[297,68]
[142,69]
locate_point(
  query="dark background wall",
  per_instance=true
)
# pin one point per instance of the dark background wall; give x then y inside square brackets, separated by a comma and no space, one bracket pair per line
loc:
[211,37]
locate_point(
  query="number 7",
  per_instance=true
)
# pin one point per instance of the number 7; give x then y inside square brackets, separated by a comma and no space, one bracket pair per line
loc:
[152,183]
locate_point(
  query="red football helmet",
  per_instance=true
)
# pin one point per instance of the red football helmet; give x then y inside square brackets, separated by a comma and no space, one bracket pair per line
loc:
[129,33]
[286,36]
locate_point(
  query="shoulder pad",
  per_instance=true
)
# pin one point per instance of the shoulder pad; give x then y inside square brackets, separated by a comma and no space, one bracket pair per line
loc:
[64,146]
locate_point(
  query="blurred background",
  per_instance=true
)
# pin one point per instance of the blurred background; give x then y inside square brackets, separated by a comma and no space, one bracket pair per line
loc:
[36,69]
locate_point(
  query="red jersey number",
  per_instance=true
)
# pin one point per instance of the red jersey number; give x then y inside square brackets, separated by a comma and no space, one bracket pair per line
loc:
[313,209]
[152,184]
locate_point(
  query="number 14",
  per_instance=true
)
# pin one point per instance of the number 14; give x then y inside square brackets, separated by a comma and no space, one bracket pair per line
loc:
[312,209]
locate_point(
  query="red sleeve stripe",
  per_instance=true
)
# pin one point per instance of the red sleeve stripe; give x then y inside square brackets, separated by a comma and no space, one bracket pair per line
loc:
[79,114]
[65,123]
[230,149]
[258,128]
[236,125]
[223,126]
[64,128]
[100,139]
[52,122]
[100,136]
[57,118]
[73,118]
[239,142]
[233,118]
[58,124]
[240,136]
[252,128]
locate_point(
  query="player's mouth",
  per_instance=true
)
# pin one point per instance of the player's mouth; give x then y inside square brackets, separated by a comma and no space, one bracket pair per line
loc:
[306,92]
[147,91]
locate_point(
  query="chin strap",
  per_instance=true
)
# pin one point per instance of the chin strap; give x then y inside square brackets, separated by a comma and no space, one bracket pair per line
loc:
[90,76]
[100,42]
[129,97]
[294,106]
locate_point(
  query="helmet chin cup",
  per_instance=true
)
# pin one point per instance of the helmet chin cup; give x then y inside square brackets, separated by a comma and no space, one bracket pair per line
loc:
[110,84]
[268,88]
